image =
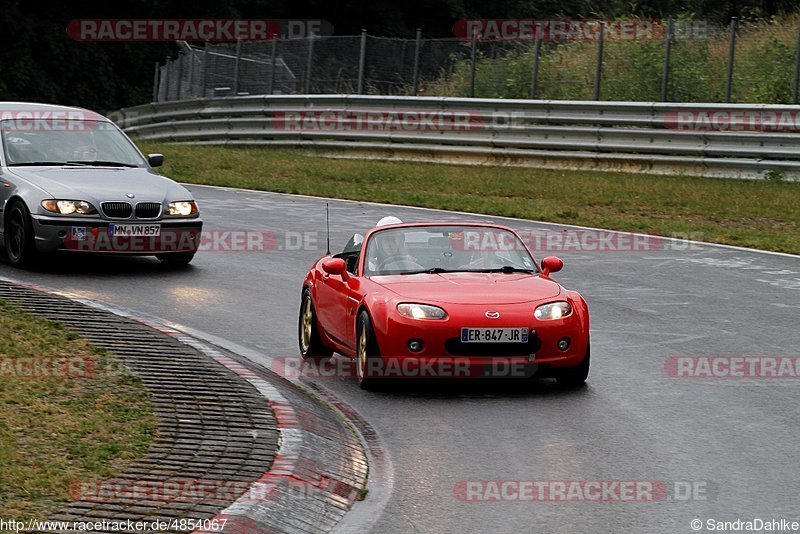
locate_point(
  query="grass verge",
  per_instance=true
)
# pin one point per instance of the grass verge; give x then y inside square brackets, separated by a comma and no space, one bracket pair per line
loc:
[760,214]
[62,423]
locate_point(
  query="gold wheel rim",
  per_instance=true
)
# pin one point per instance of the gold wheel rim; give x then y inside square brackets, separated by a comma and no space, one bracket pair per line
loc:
[362,351]
[307,321]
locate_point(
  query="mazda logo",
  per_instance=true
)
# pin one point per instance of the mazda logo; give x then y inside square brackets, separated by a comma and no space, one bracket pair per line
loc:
[492,314]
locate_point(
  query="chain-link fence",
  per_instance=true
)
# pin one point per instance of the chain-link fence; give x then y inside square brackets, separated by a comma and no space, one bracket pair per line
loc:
[684,61]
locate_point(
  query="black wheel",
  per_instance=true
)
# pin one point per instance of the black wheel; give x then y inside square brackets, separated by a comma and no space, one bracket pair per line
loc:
[311,345]
[182,258]
[366,353]
[19,239]
[575,376]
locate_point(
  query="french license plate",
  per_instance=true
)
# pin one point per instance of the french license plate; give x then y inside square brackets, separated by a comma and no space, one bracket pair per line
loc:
[134,230]
[494,335]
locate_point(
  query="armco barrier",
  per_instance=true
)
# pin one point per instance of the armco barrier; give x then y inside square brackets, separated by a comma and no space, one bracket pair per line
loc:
[626,136]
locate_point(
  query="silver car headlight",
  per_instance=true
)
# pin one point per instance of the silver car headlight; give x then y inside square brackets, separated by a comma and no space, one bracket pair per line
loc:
[553,310]
[183,208]
[421,311]
[69,207]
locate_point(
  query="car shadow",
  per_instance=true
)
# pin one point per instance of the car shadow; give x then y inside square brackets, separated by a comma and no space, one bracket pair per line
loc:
[61,263]
[481,388]
[339,367]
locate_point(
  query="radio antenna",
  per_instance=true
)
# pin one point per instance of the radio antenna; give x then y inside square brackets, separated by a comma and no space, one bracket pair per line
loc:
[328,227]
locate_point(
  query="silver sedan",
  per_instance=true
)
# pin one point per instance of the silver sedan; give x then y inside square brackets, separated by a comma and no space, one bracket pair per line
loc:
[70,180]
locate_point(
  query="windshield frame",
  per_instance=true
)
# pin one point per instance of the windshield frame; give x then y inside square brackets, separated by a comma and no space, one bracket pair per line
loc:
[362,262]
[6,162]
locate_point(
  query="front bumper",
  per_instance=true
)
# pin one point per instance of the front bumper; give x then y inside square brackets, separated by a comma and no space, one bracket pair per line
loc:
[75,234]
[443,353]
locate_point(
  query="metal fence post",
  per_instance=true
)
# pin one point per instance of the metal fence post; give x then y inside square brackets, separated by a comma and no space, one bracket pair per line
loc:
[155,83]
[272,58]
[731,51]
[236,67]
[472,67]
[535,74]
[204,75]
[166,78]
[598,73]
[190,58]
[362,58]
[667,54]
[796,87]
[308,63]
[179,67]
[417,47]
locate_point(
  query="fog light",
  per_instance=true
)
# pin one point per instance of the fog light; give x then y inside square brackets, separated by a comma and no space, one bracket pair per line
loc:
[415,345]
[563,344]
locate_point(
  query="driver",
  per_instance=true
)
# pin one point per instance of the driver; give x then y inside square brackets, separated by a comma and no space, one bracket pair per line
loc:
[391,245]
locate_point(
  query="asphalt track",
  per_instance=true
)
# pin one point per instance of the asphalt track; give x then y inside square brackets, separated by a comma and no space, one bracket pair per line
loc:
[734,440]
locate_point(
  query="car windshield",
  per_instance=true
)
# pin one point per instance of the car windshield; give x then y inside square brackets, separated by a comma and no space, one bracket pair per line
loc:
[68,142]
[439,249]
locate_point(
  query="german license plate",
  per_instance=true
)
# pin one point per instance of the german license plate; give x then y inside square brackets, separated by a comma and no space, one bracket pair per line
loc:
[134,230]
[494,335]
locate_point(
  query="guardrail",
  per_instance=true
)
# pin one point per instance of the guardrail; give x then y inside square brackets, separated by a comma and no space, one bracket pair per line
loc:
[718,140]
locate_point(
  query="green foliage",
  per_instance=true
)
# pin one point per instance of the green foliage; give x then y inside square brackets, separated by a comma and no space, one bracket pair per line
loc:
[633,70]
[774,175]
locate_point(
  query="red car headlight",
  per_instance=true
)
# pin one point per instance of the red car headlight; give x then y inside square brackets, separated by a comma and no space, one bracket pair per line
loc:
[421,311]
[553,310]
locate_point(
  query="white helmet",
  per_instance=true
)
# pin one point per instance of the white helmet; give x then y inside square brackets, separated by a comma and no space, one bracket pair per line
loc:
[386,221]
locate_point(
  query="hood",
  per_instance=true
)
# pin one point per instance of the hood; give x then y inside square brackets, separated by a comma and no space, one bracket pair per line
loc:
[99,184]
[471,288]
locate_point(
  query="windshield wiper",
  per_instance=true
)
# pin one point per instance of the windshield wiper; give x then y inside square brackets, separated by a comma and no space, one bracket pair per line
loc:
[44,164]
[432,270]
[101,163]
[505,269]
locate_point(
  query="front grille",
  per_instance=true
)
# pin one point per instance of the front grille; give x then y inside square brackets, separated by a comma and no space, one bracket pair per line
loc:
[455,347]
[148,210]
[117,210]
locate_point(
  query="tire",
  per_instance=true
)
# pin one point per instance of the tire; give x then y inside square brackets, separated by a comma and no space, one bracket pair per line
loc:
[311,345]
[366,351]
[573,377]
[19,239]
[178,259]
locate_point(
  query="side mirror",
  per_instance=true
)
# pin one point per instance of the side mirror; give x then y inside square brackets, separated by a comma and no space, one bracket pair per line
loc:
[335,266]
[155,160]
[551,264]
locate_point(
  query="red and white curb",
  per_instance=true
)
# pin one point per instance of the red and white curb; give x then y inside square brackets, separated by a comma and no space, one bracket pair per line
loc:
[288,468]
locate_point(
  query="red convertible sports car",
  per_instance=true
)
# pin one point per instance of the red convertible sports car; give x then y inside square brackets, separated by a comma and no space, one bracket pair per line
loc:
[448,300]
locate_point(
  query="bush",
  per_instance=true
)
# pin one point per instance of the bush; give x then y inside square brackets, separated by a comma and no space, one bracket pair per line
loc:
[632,70]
